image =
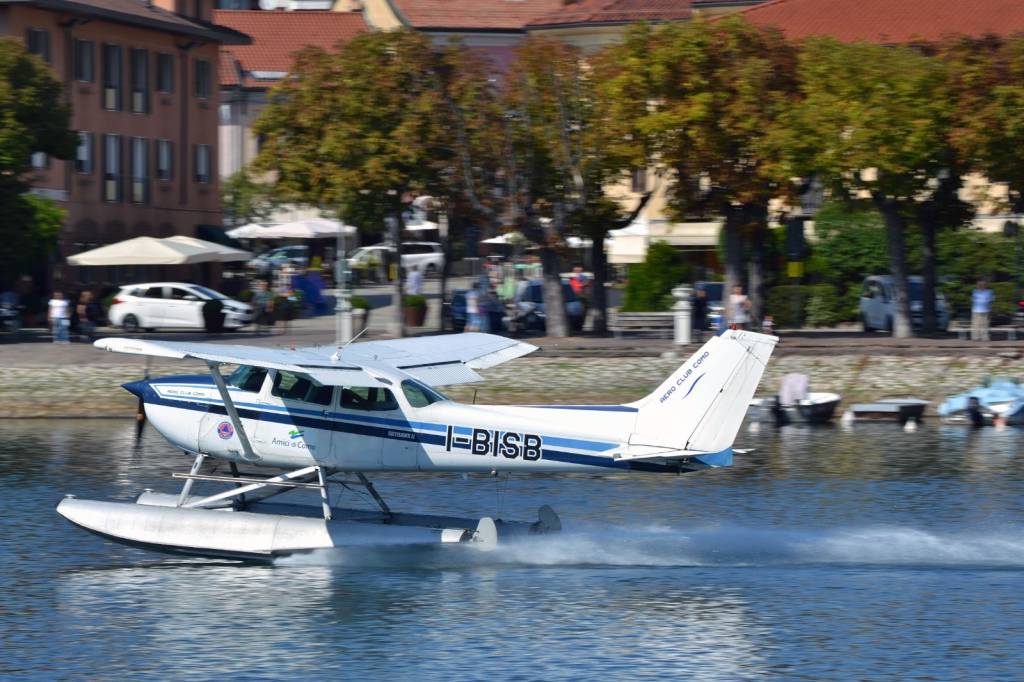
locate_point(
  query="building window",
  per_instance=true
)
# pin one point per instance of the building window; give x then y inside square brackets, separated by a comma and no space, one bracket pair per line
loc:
[165,72]
[40,160]
[638,181]
[83,156]
[112,77]
[202,163]
[140,81]
[202,78]
[164,159]
[112,168]
[140,170]
[85,67]
[37,42]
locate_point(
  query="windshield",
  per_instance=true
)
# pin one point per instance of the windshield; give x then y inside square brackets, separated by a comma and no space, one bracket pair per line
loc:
[915,290]
[420,395]
[209,293]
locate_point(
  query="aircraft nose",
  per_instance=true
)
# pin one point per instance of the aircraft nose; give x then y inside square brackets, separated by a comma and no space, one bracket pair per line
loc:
[137,388]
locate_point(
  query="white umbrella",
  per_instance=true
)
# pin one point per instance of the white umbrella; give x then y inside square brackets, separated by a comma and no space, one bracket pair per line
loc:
[142,251]
[218,252]
[420,226]
[248,231]
[313,228]
[507,238]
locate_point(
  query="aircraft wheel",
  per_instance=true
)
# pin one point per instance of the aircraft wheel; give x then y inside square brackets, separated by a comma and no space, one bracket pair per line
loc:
[130,323]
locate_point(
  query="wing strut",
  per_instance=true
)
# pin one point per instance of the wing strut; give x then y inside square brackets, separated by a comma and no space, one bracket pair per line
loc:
[229,405]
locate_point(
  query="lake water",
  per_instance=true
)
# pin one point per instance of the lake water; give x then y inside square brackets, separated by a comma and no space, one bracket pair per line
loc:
[827,554]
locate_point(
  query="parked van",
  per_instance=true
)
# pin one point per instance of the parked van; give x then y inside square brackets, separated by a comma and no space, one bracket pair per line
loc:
[876,303]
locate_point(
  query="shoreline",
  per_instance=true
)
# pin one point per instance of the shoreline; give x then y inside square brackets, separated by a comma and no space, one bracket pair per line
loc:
[93,391]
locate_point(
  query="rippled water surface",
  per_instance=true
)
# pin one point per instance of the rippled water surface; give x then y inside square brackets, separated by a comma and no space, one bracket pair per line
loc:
[826,554]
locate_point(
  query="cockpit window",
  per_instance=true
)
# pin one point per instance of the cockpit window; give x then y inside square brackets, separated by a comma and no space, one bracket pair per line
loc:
[295,387]
[248,378]
[420,395]
[369,398]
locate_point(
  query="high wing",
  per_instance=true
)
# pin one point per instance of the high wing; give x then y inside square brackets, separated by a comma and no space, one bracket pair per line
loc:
[438,360]
[434,360]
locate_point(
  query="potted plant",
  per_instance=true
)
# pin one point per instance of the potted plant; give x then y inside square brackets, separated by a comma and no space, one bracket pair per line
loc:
[415,307]
[360,314]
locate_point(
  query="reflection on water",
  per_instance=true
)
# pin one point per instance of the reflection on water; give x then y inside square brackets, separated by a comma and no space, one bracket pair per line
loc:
[827,553]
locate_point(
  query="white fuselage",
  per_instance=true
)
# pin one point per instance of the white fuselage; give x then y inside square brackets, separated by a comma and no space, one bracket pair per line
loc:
[441,436]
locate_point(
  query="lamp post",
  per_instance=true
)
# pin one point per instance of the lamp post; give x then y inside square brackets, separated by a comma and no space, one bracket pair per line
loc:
[1011,228]
[343,295]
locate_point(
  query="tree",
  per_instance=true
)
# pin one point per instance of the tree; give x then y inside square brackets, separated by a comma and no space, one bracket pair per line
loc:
[871,121]
[245,199]
[699,100]
[359,131]
[34,119]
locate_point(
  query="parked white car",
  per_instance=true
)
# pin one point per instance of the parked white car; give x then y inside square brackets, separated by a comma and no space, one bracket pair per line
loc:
[427,256]
[176,305]
[876,303]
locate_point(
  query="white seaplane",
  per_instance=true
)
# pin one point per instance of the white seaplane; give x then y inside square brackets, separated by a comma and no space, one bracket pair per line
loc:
[329,416]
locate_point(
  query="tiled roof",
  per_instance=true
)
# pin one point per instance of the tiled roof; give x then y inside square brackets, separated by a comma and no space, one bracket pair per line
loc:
[276,36]
[137,12]
[890,21]
[615,12]
[472,15]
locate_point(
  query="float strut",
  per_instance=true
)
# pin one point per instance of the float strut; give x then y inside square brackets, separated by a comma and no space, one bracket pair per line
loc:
[187,487]
[229,407]
[373,491]
[323,493]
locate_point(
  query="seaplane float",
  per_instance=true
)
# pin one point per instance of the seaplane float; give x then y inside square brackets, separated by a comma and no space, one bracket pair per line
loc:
[322,417]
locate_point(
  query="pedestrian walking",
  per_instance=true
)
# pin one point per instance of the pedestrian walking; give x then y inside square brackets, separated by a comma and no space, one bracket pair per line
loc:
[739,308]
[59,316]
[981,310]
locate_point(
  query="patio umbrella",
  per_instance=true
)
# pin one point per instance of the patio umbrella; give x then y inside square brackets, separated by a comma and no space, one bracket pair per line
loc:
[510,238]
[420,226]
[143,251]
[248,231]
[218,252]
[313,228]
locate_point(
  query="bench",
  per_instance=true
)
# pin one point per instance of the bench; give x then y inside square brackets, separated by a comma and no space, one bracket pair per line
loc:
[660,325]
[963,330]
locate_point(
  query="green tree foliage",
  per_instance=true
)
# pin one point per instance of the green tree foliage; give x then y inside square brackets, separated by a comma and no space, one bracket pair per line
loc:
[245,199]
[700,100]
[360,130]
[650,283]
[33,118]
[871,120]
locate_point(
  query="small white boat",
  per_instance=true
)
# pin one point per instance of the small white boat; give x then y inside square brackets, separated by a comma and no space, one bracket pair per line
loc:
[794,403]
[900,410]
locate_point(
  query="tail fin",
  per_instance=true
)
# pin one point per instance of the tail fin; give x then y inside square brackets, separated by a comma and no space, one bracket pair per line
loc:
[701,406]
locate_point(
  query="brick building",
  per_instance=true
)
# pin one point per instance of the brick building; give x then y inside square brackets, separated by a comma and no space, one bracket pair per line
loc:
[141,78]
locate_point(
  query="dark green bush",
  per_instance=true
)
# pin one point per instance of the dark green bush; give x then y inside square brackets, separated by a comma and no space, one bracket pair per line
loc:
[361,303]
[651,282]
[414,301]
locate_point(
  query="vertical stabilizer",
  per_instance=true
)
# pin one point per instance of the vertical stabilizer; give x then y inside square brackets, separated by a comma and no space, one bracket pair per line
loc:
[701,406]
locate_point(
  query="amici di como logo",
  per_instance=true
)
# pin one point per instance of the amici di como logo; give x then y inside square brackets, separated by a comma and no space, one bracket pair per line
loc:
[225,430]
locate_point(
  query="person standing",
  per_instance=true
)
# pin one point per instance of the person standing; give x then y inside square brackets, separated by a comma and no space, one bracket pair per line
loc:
[473,317]
[700,314]
[981,310]
[414,281]
[263,305]
[59,316]
[739,308]
[89,315]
